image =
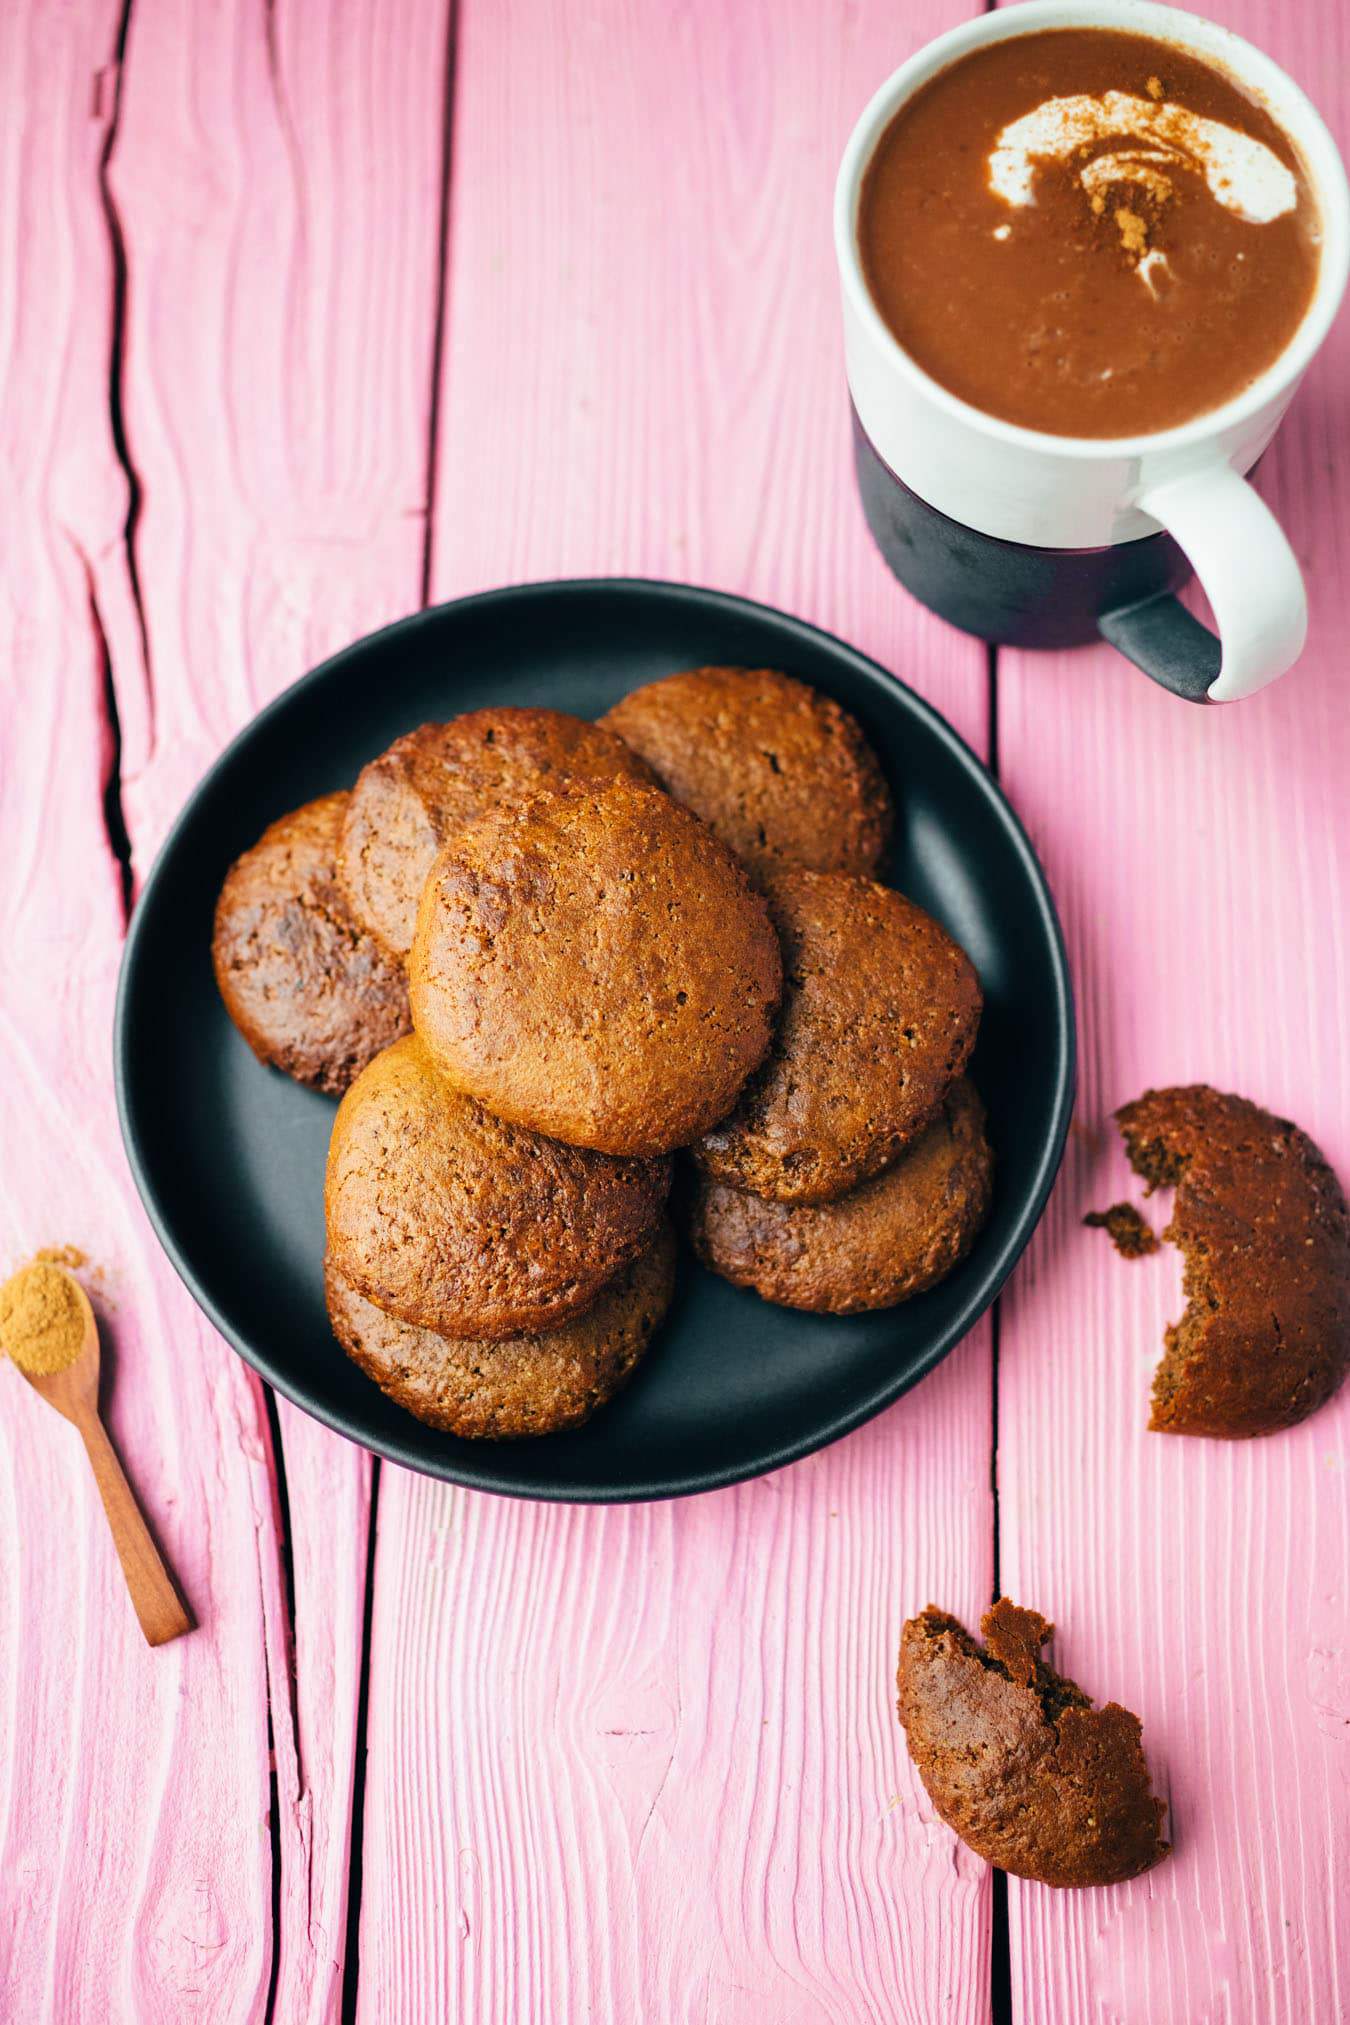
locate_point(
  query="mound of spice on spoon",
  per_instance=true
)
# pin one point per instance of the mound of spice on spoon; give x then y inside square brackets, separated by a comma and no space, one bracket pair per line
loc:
[49,1330]
[41,1318]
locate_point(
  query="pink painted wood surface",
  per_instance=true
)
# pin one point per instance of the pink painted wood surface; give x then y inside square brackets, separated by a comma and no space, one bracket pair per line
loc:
[126,1889]
[621,1763]
[644,1764]
[1200,861]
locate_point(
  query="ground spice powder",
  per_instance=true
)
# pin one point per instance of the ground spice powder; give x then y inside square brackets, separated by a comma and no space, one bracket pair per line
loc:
[41,1318]
[63,1255]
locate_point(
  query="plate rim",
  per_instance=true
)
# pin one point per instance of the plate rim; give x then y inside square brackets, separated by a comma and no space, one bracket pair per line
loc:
[823,1434]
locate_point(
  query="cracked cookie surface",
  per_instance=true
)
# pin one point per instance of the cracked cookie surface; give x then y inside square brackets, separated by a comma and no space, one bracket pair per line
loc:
[520,1386]
[440,779]
[453,1220]
[781,773]
[879,1015]
[594,964]
[313,993]
[886,1240]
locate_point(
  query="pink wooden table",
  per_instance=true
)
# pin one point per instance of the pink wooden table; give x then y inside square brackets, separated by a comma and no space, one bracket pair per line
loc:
[316,311]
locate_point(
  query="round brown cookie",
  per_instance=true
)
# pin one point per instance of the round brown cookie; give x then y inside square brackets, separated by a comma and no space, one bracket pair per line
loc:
[880,1010]
[523,1385]
[1263,1227]
[309,990]
[596,965]
[450,1219]
[780,772]
[893,1237]
[436,780]
[1016,1759]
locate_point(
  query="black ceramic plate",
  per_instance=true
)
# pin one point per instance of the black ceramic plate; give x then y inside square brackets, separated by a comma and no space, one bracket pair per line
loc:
[229,1156]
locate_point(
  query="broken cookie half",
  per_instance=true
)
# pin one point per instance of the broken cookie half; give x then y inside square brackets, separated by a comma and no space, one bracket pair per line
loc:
[1263,1228]
[1016,1759]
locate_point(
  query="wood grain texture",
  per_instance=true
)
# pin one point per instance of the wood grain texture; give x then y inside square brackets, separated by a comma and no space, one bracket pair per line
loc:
[272,377]
[125,1890]
[1200,860]
[277,185]
[645,1763]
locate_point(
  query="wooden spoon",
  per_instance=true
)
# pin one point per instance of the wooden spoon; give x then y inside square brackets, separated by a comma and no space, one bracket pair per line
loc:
[74,1393]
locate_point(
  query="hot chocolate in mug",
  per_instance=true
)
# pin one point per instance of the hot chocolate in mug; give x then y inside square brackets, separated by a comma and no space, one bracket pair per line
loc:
[1035,539]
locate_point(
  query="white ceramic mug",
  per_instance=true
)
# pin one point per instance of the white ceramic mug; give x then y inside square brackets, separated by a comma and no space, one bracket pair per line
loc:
[1044,540]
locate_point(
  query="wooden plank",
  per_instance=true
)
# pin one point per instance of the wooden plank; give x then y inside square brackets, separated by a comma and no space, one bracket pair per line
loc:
[644,1763]
[136,1873]
[1200,862]
[275,186]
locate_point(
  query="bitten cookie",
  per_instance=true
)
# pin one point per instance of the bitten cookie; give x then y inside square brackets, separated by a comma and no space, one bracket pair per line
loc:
[450,1219]
[523,1385]
[780,772]
[309,990]
[893,1237]
[437,780]
[595,965]
[1264,1231]
[880,1010]
[1016,1759]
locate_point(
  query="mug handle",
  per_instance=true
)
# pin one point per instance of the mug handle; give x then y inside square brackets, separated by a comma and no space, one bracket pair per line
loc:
[1247,570]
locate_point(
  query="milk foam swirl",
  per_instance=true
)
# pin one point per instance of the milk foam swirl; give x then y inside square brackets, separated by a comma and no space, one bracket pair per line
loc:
[1243,174]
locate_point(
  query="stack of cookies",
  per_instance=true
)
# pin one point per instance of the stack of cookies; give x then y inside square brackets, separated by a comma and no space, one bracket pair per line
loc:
[854,1171]
[592,978]
[539,956]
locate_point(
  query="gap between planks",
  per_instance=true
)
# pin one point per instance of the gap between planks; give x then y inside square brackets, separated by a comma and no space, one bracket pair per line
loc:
[351,1961]
[114,815]
[120,845]
[1000,1947]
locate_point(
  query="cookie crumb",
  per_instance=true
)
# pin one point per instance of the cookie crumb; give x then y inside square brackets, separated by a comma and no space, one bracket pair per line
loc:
[1128,1231]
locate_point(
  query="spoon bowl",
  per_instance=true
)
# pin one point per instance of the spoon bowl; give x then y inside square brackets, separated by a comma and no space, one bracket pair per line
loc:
[73,1390]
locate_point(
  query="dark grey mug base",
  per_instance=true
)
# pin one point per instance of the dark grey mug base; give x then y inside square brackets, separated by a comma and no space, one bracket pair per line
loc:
[1016,596]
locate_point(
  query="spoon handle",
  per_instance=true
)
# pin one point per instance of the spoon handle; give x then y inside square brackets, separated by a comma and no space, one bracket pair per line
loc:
[158,1605]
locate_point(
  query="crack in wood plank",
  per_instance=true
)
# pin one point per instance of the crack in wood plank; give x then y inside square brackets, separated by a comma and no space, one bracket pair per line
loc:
[144,160]
[114,818]
[109,96]
[442,299]
[1000,1957]
[103,1918]
[351,1968]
